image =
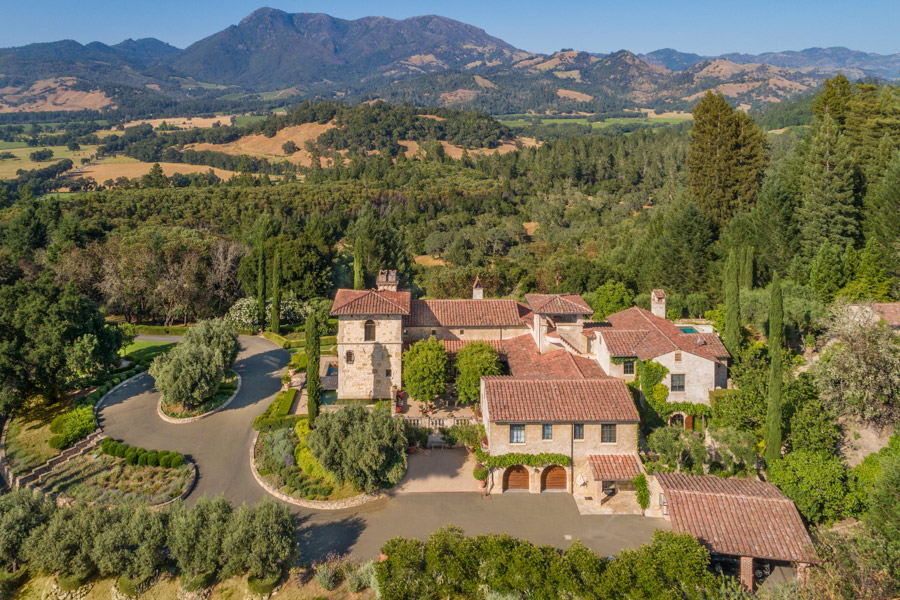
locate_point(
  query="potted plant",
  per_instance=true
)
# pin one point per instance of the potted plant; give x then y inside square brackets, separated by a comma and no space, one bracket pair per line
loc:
[480,474]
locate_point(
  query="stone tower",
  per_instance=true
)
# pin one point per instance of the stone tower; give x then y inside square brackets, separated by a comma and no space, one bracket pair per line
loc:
[658,303]
[477,289]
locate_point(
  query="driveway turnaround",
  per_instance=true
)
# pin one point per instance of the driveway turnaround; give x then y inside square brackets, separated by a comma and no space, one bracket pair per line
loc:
[220,445]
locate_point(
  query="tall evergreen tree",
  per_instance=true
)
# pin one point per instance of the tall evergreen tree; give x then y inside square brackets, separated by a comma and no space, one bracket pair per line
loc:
[833,98]
[359,278]
[726,160]
[828,211]
[261,287]
[747,273]
[732,306]
[776,334]
[828,271]
[313,383]
[882,222]
[775,230]
[276,293]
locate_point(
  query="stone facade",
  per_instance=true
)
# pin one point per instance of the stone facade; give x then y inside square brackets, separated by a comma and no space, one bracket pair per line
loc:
[369,368]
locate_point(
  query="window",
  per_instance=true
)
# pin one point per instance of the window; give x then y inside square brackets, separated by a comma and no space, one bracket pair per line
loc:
[462,332]
[547,431]
[348,358]
[608,433]
[677,356]
[516,434]
[628,367]
[579,431]
[434,333]
[677,383]
[370,331]
[387,372]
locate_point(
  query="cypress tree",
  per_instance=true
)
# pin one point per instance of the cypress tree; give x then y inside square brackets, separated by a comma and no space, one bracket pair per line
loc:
[747,278]
[261,288]
[358,274]
[773,412]
[313,383]
[828,211]
[276,293]
[732,306]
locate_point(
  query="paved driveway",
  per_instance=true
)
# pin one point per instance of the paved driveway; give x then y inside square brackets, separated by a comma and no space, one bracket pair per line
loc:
[220,443]
[220,446]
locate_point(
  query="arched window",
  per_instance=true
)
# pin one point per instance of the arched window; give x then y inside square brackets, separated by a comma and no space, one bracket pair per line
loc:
[370,331]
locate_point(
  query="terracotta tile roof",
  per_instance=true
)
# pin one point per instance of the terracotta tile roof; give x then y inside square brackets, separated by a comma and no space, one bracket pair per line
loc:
[889,311]
[613,467]
[558,304]
[525,360]
[589,328]
[738,517]
[370,302]
[454,346]
[558,400]
[637,332]
[465,313]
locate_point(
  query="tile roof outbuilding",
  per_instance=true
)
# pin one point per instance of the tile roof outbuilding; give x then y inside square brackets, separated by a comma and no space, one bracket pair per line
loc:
[558,304]
[738,517]
[613,467]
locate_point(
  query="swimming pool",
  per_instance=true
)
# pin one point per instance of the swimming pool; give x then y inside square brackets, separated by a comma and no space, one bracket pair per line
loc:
[329,398]
[687,329]
[332,370]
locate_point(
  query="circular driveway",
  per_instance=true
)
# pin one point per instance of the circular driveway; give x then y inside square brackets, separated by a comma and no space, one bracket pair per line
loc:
[218,444]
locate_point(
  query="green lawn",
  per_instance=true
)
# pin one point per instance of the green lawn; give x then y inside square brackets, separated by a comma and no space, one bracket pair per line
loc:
[8,167]
[29,432]
[10,145]
[143,350]
[247,119]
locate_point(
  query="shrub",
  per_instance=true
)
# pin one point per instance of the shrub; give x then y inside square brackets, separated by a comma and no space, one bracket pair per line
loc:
[327,575]
[358,579]
[165,461]
[131,456]
[817,483]
[56,425]
[120,450]
[142,460]
[57,442]
[480,472]
[128,587]
[68,583]
[188,374]
[200,582]
[262,586]
[153,458]
[176,460]
[218,335]
[643,491]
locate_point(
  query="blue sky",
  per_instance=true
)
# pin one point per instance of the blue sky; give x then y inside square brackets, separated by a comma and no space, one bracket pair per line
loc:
[701,26]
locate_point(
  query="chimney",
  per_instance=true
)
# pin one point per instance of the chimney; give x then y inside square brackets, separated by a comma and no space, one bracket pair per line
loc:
[477,290]
[658,303]
[387,281]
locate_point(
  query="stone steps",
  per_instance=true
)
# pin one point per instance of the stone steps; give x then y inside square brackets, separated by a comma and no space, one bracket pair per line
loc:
[36,475]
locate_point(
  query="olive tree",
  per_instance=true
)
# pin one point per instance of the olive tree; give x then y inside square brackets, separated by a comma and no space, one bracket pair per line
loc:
[20,513]
[188,374]
[218,335]
[195,539]
[260,541]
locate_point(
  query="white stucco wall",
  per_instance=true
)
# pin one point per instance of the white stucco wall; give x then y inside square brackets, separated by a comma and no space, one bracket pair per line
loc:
[699,377]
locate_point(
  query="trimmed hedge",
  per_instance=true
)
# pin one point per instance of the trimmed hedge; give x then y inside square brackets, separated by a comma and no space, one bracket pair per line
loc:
[276,416]
[160,330]
[141,457]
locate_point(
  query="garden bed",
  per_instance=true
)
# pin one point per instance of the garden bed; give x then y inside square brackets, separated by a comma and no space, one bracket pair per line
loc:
[96,477]
[226,390]
[284,463]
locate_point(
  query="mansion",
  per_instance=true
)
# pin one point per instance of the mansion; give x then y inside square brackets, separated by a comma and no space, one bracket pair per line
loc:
[565,392]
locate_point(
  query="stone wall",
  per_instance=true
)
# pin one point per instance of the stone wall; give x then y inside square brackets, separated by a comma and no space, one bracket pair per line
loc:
[414,334]
[376,367]
[562,442]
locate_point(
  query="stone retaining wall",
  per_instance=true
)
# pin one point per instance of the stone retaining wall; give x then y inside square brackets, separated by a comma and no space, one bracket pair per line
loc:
[314,504]
[176,421]
[6,474]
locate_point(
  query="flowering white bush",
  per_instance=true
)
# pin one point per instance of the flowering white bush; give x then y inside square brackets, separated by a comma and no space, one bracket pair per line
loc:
[244,313]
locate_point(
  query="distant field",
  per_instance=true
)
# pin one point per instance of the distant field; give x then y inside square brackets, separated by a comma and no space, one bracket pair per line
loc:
[122,166]
[247,119]
[9,166]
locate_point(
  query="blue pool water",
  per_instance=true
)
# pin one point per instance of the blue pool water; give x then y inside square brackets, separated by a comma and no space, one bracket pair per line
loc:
[687,329]
[329,398]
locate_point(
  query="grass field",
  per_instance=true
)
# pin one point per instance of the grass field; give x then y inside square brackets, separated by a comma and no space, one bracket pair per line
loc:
[143,350]
[29,432]
[123,166]
[247,119]
[9,166]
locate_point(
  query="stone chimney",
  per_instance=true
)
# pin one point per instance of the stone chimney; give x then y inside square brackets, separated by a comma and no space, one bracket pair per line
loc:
[387,281]
[658,303]
[477,290]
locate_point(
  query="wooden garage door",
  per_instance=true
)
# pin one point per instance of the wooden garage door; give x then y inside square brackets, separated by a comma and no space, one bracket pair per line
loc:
[515,478]
[554,478]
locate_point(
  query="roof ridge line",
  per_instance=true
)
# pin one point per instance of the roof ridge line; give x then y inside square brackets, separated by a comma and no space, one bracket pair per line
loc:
[388,300]
[656,327]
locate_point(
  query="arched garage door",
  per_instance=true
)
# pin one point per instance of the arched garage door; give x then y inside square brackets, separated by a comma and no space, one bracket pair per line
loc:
[515,478]
[554,478]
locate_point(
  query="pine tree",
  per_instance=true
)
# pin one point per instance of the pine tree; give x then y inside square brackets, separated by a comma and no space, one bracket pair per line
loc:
[773,411]
[732,306]
[882,222]
[313,383]
[726,160]
[276,293]
[775,230]
[828,271]
[261,287]
[828,211]
[833,98]
[359,280]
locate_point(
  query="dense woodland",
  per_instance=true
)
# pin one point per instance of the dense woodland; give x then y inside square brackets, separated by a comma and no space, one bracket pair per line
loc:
[722,216]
